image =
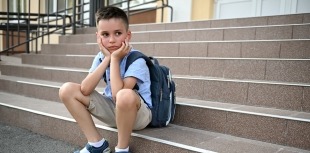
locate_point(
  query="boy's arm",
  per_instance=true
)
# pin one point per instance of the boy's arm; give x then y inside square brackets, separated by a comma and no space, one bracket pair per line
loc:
[115,77]
[92,79]
[116,81]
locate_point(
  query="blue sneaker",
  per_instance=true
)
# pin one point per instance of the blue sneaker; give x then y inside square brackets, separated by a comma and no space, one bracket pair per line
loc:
[103,149]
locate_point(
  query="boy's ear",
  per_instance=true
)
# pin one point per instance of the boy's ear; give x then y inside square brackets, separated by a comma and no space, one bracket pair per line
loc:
[128,35]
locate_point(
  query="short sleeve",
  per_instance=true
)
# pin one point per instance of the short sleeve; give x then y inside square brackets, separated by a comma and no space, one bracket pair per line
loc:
[139,70]
[96,62]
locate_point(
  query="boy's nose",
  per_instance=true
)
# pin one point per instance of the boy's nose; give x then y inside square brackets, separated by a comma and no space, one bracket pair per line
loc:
[112,39]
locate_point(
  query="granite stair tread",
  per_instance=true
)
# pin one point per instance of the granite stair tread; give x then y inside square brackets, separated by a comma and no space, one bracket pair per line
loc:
[193,77]
[33,81]
[273,32]
[173,57]
[243,49]
[246,21]
[287,70]
[190,77]
[255,110]
[184,137]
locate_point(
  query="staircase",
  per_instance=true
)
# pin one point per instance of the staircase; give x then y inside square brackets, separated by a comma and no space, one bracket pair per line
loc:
[243,85]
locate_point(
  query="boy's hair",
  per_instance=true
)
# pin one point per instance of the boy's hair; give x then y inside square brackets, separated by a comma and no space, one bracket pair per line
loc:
[110,12]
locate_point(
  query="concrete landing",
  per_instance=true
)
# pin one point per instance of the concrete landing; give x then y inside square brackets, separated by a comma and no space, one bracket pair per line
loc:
[14,139]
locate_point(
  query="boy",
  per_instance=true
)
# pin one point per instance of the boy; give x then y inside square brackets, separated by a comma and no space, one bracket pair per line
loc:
[120,106]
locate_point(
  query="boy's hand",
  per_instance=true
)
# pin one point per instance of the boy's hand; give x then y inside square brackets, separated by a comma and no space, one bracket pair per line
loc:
[122,51]
[104,51]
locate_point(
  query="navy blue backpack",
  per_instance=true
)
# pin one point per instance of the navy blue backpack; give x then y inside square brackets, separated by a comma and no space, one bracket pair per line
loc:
[162,89]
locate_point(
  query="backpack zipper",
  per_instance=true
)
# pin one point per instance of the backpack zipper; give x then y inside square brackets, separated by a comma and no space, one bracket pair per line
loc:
[169,78]
[161,95]
[168,81]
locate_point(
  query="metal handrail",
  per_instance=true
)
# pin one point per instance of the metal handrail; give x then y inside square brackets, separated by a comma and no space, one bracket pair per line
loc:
[29,26]
[36,23]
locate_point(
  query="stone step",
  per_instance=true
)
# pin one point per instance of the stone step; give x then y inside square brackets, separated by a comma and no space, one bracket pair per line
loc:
[279,95]
[69,61]
[238,22]
[212,123]
[53,120]
[264,124]
[57,74]
[287,70]
[234,49]
[274,32]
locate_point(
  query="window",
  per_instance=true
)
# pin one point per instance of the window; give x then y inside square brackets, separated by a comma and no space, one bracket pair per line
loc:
[53,6]
[132,3]
[17,6]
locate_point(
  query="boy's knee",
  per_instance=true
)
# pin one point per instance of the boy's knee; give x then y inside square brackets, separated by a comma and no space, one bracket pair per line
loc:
[126,99]
[66,90]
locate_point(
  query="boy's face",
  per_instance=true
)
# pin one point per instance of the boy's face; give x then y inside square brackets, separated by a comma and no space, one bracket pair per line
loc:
[112,33]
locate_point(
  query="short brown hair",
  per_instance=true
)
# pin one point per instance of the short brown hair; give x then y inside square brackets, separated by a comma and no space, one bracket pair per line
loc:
[110,12]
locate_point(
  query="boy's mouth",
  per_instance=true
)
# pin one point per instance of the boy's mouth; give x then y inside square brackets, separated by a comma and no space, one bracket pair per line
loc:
[113,48]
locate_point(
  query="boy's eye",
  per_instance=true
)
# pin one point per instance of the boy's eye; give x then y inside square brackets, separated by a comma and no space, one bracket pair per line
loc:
[118,33]
[105,35]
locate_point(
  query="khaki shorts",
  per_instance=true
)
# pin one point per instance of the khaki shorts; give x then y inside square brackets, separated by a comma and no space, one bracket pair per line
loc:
[103,108]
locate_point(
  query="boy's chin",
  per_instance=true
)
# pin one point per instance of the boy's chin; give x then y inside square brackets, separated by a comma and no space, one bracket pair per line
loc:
[111,51]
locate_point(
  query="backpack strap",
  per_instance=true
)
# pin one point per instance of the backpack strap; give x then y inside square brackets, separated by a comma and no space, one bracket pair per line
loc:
[133,56]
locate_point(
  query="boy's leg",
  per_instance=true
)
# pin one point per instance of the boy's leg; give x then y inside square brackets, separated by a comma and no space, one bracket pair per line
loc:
[127,105]
[131,113]
[70,94]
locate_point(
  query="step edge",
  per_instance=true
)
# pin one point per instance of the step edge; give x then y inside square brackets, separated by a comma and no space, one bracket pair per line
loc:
[28,80]
[179,145]
[219,28]
[199,106]
[198,41]
[189,58]
[245,112]
[57,68]
[207,41]
[242,81]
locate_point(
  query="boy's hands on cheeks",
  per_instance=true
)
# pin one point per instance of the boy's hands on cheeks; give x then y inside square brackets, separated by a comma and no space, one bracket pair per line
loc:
[122,51]
[104,51]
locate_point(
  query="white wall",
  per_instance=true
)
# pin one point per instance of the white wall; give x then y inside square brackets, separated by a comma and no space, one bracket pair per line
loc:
[249,8]
[182,10]
[302,6]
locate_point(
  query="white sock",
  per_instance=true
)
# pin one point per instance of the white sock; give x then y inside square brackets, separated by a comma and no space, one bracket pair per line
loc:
[120,150]
[95,144]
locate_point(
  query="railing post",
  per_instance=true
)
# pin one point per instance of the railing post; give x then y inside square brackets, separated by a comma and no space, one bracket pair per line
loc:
[93,7]
[7,27]
[74,17]
[128,11]
[28,30]
[63,25]
[38,27]
[28,36]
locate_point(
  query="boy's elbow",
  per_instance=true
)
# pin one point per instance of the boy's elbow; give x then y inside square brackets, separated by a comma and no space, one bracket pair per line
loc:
[85,91]
[113,96]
